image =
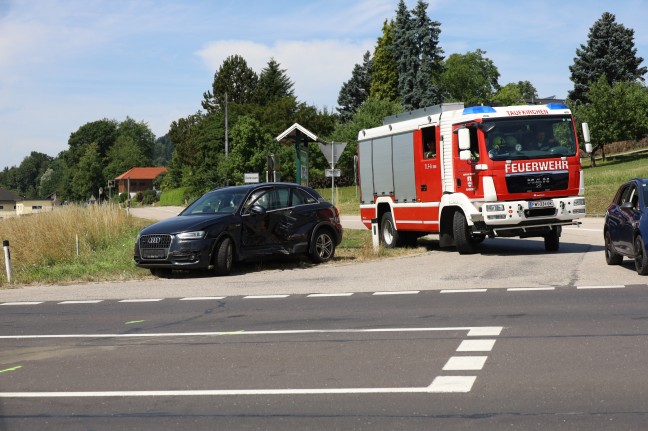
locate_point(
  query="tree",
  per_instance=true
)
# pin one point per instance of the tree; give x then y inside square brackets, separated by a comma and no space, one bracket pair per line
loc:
[250,148]
[236,80]
[88,175]
[515,94]
[384,73]
[602,113]
[470,78]
[162,151]
[609,52]
[430,56]
[356,90]
[273,84]
[405,53]
[101,132]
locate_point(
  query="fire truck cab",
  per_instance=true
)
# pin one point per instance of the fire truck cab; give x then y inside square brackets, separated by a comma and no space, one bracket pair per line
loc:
[471,173]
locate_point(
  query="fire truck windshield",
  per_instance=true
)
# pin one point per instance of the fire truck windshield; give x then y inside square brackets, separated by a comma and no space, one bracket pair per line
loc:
[523,138]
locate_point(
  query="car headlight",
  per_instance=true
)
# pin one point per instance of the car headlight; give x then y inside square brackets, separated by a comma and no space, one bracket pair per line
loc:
[579,202]
[493,208]
[199,234]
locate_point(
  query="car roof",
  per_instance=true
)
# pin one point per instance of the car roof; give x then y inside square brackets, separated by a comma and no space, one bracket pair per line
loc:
[247,187]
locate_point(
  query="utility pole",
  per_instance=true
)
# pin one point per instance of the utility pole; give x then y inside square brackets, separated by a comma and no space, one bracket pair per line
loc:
[226,128]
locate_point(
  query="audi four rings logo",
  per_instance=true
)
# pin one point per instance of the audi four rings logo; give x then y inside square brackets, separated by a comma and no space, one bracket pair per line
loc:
[154,240]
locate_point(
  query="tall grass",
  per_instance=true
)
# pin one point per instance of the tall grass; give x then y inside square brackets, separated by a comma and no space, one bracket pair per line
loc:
[44,246]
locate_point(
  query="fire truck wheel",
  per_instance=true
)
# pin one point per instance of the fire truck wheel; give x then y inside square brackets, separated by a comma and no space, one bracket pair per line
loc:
[388,233]
[552,241]
[463,239]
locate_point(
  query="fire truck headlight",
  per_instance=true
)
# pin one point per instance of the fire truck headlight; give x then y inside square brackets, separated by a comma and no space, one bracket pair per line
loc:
[579,202]
[494,208]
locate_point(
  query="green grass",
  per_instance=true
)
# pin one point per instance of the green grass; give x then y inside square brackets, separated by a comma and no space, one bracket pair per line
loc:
[602,181]
[173,197]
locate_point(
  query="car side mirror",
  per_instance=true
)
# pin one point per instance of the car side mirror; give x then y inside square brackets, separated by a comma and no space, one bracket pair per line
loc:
[257,209]
[627,206]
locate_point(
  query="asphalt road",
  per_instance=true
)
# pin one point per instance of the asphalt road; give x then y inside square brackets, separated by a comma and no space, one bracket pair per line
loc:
[562,359]
[513,337]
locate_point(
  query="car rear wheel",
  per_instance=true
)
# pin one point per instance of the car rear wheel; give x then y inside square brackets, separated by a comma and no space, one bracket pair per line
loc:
[224,257]
[323,248]
[611,256]
[641,258]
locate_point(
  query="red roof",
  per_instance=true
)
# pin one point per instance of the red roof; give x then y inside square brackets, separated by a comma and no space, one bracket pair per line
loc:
[141,173]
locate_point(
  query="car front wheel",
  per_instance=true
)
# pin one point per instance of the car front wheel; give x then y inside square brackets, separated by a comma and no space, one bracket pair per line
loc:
[641,258]
[323,248]
[224,257]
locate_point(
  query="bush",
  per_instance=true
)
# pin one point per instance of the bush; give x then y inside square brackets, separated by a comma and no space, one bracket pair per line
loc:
[149,197]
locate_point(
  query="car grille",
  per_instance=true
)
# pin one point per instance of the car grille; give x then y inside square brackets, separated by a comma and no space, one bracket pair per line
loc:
[154,246]
[540,182]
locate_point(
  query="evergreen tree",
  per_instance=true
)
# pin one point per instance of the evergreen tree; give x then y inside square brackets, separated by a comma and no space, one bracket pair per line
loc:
[405,53]
[273,84]
[356,90]
[234,80]
[384,73]
[430,56]
[609,52]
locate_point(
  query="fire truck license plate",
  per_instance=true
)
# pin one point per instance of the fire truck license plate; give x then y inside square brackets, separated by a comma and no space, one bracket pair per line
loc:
[540,204]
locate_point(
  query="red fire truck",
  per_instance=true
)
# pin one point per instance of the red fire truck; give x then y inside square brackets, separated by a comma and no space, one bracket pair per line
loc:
[471,173]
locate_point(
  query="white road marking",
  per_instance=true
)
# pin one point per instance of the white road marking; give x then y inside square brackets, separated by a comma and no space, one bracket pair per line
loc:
[402,292]
[463,290]
[265,296]
[528,289]
[202,298]
[327,295]
[23,303]
[465,363]
[476,346]
[444,384]
[142,300]
[601,287]
[91,301]
[472,331]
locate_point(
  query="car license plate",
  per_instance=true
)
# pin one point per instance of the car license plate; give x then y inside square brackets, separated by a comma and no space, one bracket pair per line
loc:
[154,254]
[541,204]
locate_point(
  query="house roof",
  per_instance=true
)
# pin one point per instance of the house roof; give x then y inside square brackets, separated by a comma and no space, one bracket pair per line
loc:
[6,195]
[141,173]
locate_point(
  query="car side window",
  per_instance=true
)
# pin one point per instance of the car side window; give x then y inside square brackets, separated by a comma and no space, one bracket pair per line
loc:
[282,198]
[259,197]
[300,197]
[624,196]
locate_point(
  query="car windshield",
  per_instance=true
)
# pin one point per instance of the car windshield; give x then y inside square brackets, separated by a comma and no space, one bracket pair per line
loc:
[529,138]
[220,201]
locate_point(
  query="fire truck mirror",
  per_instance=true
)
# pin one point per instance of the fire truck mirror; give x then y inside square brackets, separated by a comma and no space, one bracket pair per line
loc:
[586,138]
[464,140]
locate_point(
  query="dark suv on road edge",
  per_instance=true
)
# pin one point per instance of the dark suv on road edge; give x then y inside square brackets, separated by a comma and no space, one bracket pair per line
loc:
[237,223]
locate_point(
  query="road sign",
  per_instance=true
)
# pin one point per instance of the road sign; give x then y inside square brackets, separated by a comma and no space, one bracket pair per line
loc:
[332,151]
[251,178]
[332,172]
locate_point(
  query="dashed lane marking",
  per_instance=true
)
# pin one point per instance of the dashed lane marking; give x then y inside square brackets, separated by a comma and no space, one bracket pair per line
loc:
[315,295]
[465,363]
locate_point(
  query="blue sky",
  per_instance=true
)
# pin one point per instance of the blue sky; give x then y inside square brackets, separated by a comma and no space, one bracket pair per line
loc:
[64,63]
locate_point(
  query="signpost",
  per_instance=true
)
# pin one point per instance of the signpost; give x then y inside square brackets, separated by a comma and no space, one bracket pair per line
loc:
[332,153]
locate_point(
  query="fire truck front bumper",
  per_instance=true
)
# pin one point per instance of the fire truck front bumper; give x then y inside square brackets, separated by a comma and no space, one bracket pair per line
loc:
[527,218]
